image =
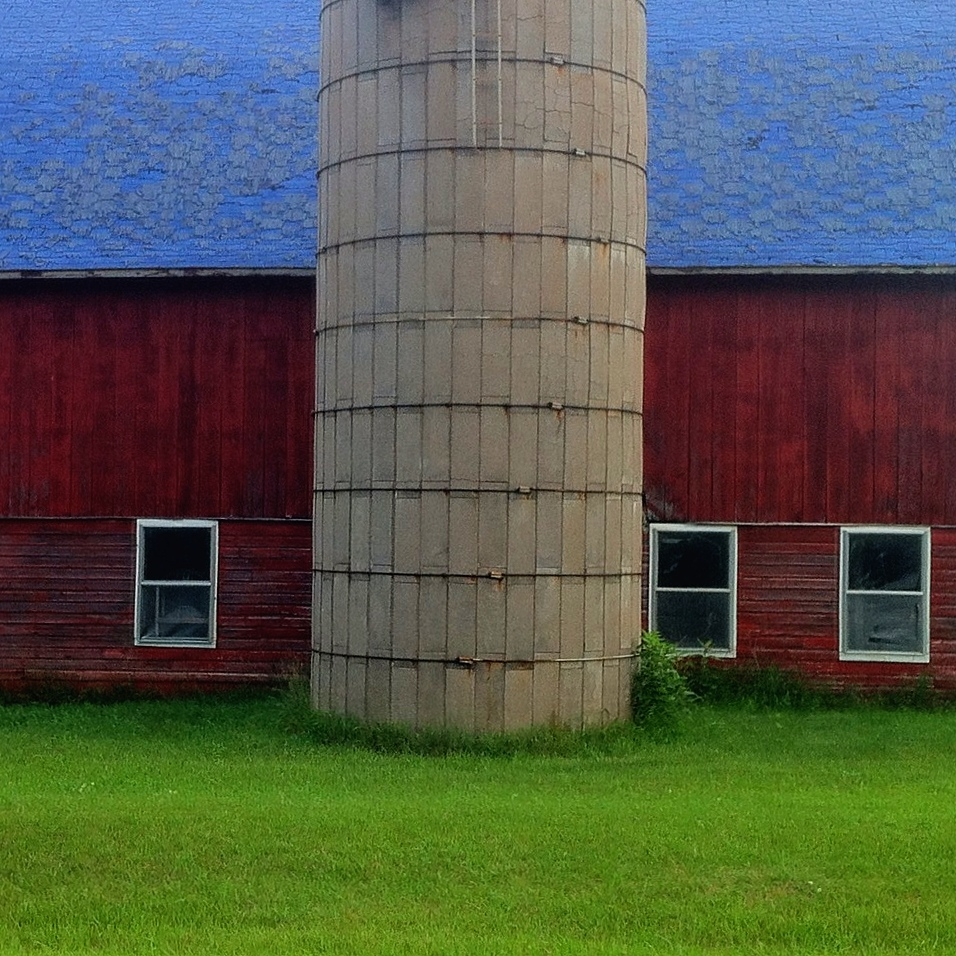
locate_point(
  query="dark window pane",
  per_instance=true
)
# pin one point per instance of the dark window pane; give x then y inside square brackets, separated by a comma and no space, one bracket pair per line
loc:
[883,622]
[176,554]
[693,559]
[885,562]
[693,620]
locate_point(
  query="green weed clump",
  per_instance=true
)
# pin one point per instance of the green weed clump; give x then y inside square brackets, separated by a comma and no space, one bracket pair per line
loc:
[660,694]
[769,687]
[765,688]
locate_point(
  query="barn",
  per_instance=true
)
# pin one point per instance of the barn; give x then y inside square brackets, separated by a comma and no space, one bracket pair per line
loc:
[799,407]
[157,248]
[156,335]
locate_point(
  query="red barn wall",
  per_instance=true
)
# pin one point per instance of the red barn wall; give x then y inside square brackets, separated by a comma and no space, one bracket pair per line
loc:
[787,606]
[826,399]
[143,398]
[790,406]
[67,608]
[156,397]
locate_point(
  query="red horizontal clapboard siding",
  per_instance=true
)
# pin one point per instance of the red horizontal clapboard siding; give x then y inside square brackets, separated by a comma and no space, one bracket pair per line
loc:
[67,607]
[788,595]
[829,399]
[166,397]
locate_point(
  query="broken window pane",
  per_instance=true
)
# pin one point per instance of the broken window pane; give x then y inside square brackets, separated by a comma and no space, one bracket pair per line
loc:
[179,614]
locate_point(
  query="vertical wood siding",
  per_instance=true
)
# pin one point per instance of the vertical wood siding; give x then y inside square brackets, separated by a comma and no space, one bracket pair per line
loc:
[820,399]
[67,607]
[145,398]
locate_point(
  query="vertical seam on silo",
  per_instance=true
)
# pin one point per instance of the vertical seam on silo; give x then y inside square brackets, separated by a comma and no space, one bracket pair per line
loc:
[474,75]
[500,114]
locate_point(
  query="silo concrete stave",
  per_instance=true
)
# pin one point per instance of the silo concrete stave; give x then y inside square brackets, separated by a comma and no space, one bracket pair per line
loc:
[479,351]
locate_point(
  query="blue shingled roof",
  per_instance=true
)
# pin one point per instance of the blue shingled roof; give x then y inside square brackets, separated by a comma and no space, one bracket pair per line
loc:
[157,134]
[810,132]
[181,133]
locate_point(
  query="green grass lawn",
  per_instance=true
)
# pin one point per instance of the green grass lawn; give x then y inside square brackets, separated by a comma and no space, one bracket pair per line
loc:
[204,827]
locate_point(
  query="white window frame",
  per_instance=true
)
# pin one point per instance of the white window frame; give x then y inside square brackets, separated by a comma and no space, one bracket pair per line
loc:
[210,585]
[730,590]
[849,654]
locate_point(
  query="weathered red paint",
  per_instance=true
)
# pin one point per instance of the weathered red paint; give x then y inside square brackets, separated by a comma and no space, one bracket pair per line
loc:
[790,406]
[142,397]
[767,400]
[795,399]
[788,607]
[67,607]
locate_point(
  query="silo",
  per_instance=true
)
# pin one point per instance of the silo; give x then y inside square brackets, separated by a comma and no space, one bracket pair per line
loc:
[478,360]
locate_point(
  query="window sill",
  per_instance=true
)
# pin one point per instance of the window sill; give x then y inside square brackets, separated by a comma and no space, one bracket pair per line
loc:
[885,657]
[205,643]
[722,652]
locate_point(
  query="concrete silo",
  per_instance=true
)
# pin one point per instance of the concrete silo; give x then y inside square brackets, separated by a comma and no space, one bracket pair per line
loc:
[479,355]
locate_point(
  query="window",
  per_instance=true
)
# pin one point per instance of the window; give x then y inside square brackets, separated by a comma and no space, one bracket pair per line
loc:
[693,587]
[884,585]
[176,583]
